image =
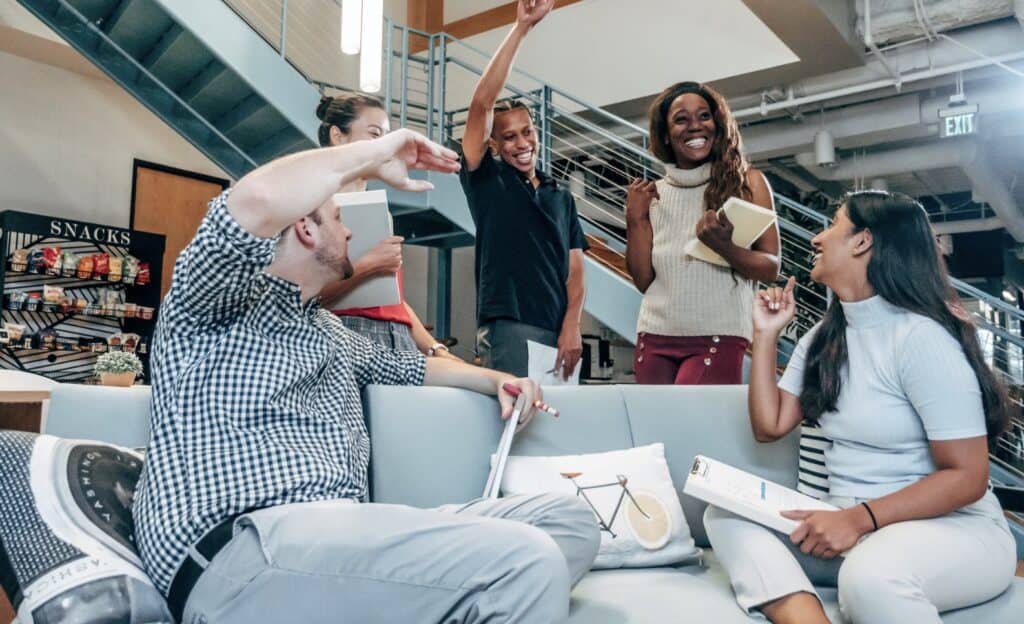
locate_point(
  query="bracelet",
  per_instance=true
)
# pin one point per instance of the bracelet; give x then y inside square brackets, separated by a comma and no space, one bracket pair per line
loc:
[872,514]
[437,346]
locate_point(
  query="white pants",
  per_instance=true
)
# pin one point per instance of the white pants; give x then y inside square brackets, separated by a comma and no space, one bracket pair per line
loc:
[904,572]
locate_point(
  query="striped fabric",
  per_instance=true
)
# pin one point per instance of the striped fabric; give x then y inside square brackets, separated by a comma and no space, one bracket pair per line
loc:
[812,474]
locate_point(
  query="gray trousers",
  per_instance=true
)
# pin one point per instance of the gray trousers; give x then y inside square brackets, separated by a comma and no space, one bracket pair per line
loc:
[507,560]
[501,345]
[905,572]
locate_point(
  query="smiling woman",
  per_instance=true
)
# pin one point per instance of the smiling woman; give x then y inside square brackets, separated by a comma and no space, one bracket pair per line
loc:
[694,323]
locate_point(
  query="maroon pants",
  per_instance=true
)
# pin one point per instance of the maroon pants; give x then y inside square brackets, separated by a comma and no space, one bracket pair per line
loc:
[689,360]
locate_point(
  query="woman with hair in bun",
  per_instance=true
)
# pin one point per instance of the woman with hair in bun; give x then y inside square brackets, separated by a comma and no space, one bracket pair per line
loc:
[694,324]
[346,119]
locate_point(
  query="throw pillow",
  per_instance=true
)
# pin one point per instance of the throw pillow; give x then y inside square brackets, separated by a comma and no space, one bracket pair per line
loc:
[66,532]
[632,497]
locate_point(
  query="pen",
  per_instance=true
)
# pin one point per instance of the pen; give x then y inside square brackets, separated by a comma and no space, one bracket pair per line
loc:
[541,405]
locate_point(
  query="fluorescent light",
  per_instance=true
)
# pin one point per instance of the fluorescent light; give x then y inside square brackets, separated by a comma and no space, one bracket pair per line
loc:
[372,55]
[1009,296]
[351,25]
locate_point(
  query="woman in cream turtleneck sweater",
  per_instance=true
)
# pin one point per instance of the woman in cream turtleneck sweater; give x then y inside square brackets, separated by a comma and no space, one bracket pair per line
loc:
[694,323]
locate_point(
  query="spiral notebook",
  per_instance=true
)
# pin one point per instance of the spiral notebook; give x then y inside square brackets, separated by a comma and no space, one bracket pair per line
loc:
[749,222]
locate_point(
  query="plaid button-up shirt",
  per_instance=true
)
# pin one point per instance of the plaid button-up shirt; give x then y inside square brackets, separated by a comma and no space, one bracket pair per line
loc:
[256,396]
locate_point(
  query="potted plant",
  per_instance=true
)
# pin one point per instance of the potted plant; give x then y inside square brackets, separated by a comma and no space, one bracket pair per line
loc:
[118,368]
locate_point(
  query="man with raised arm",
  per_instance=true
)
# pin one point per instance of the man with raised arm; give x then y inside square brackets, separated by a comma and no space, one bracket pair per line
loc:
[250,505]
[529,244]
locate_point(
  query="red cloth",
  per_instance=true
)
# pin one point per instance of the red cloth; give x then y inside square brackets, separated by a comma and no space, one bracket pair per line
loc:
[396,313]
[689,360]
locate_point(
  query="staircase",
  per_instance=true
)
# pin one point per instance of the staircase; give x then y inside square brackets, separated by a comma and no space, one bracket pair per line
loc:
[205,71]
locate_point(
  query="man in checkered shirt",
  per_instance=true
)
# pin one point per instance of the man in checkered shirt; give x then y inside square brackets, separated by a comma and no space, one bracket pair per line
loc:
[248,509]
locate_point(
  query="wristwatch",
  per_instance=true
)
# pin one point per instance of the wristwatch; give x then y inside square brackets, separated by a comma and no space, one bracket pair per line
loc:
[434,348]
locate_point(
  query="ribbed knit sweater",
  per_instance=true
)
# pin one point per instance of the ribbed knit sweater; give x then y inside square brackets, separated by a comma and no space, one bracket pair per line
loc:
[690,297]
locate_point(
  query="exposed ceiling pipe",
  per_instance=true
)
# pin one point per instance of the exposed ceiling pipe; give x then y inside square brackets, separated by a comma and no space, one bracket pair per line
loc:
[996,193]
[1002,41]
[964,154]
[967,225]
[889,162]
[870,43]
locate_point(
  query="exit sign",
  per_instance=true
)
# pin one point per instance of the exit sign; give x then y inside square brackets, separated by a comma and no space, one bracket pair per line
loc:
[960,121]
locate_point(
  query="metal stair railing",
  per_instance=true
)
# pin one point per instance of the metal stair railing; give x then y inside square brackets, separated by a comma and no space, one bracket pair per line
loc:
[582,146]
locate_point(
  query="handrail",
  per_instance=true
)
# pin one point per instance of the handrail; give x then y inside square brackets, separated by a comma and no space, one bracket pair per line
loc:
[131,59]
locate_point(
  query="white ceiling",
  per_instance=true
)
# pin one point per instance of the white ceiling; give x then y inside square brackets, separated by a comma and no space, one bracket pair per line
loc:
[455,10]
[608,51]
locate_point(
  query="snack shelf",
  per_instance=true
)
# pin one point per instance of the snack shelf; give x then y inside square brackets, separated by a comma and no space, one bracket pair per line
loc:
[89,281]
[62,338]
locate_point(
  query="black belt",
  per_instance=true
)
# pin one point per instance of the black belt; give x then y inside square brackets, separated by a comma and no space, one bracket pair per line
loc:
[190,570]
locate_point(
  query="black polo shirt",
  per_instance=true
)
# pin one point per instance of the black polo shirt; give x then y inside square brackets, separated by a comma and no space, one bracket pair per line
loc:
[523,238]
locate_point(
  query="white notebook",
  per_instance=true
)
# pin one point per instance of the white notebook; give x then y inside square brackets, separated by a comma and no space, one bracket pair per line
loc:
[746,494]
[749,222]
[366,214]
[500,457]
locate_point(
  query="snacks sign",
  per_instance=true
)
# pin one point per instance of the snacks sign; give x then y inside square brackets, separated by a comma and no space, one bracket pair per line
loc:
[97,233]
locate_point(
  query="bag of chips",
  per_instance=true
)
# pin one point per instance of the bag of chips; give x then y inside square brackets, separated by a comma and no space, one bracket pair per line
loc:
[143,277]
[68,264]
[35,261]
[85,267]
[131,269]
[51,260]
[116,268]
[101,265]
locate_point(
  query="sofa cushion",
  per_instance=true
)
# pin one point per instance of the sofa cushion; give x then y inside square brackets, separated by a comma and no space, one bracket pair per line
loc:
[66,532]
[701,593]
[432,446]
[629,491]
[680,417]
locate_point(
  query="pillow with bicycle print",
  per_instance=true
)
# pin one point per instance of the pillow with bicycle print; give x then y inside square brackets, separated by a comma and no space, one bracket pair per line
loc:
[632,497]
[67,545]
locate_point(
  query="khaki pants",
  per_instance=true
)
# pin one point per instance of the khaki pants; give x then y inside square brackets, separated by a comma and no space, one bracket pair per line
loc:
[507,560]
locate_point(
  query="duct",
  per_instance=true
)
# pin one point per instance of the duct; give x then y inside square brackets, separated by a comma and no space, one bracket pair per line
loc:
[938,155]
[964,154]
[896,20]
[1003,41]
[966,225]
[996,193]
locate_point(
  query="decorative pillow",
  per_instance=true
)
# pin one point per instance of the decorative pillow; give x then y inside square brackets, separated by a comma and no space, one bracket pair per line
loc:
[812,476]
[631,494]
[67,550]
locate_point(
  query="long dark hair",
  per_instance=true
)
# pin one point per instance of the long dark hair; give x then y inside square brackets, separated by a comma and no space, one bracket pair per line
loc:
[906,270]
[341,111]
[728,164]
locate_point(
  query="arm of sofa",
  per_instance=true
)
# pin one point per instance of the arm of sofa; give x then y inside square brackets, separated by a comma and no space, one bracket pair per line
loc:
[114,415]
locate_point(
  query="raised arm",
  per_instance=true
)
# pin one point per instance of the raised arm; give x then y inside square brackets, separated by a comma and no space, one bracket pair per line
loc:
[481,107]
[773,411]
[277,194]
[761,261]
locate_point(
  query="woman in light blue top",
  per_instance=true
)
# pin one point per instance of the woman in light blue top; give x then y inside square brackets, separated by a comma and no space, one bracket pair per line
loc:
[895,376]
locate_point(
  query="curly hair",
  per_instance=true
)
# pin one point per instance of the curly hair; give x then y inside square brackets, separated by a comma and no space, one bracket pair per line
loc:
[728,164]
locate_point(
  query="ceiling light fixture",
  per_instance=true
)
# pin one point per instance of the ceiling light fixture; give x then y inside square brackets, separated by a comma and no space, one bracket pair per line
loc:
[351,25]
[371,58]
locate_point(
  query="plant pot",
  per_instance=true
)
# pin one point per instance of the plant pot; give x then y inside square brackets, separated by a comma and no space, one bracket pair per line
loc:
[122,380]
